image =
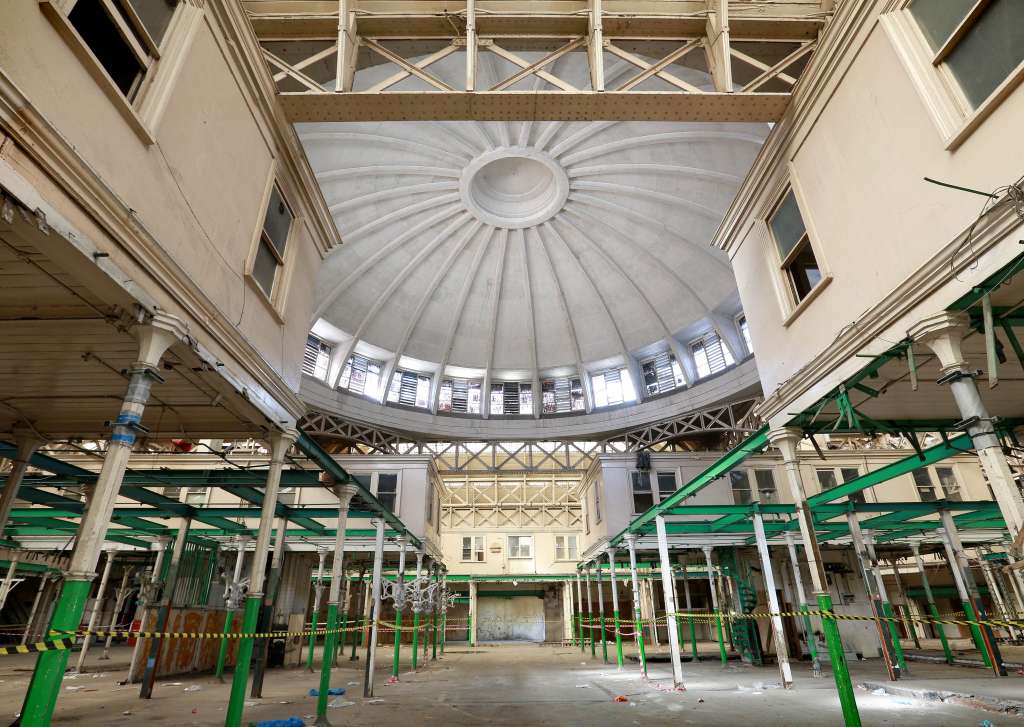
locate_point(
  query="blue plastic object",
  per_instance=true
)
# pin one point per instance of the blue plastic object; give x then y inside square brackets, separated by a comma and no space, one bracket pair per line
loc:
[290,722]
[332,692]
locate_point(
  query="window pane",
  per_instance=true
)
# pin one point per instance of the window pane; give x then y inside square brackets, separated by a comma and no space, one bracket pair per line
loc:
[826,479]
[939,18]
[852,473]
[643,498]
[745,332]
[950,486]
[101,35]
[155,16]
[990,50]
[766,486]
[923,481]
[804,271]
[741,494]
[467,548]
[787,225]
[387,489]
[666,484]
[277,221]
[264,269]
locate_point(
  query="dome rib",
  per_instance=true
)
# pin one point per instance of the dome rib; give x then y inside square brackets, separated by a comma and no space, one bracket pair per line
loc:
[560,290]
[391,193]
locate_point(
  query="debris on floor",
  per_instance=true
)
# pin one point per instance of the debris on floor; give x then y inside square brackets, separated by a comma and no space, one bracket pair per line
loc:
[621,698]
[290,722]
[332,692]
[193,688]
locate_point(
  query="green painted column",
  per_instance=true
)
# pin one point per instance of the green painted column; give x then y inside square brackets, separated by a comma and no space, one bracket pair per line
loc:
[689,608]
[416,614]
[317,595]
[232,597]
[840,670]
[601,620]
[638,626]
[344,493]
[399,584]
[236,700]
[155,337]
[590,616]
[164,612]
[357,622]
[279,444]
[932,608]
[714,606]
[615,606]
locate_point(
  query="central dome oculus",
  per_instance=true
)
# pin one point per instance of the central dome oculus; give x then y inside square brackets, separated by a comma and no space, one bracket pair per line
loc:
[514,187]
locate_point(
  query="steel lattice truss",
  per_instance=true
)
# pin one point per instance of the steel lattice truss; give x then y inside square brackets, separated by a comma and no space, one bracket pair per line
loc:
[506,501]
[346,437]
[639,60]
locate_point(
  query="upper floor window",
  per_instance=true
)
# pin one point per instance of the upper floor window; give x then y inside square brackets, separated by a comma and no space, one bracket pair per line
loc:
[361,376]
[511,397]
[473,548]
[410,389]
[766,491]
[661,373]
[799,265]
[386,490]
[666,485]
[612,387]
[124,36]
[520,546]
[459,396]
[741,323]
[936,483]
[565,547]
[979,41]
[273,238]
[562,395]
[316,358]
[950,485]
[710,355]
[741,493]
[830,477]
[643,497]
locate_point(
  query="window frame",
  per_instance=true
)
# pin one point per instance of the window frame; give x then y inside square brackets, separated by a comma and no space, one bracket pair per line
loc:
[274,300]
[567,557]
[473,539]
[508,547]
[375,485]
[144,108]
[944,99]
[703,341]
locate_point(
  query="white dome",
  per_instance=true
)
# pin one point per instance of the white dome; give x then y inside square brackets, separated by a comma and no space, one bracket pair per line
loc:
[526,247]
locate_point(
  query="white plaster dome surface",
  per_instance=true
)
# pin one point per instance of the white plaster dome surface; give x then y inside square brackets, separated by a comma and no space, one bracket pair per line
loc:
[526,247]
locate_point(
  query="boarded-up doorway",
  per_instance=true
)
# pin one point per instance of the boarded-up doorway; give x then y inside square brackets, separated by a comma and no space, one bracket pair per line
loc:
[510,618]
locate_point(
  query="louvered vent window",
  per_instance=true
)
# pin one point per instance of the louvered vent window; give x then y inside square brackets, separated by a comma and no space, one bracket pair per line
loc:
[316,358]
[512,398]
[410,389]
[459,396]
[562,395]
[661,374]
[710,355]
[361,376]
[612,387]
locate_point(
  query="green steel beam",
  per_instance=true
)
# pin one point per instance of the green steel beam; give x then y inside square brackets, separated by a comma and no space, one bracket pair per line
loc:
[939,452]
[989,284]
[754,443]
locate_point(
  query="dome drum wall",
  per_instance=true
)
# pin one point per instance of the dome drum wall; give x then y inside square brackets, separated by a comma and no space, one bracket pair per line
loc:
[528,246]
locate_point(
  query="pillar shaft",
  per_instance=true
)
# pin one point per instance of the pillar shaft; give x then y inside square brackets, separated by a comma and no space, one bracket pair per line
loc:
[714,605]
[119,599]
[637,620]
[600,608]
[590,614]
[154,339]
[781,654]
[96,607]
[616,619]
[318,593]
[579,610]
[786,440]
[932,608]
[400,585]
[164,612]
[872,584]
[689,610]
[798,581]
[279,444]
[371,647]
[416,613]
[670,602]
[27,443]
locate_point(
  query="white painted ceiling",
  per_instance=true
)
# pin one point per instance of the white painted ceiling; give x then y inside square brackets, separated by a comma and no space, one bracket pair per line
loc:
[526,247]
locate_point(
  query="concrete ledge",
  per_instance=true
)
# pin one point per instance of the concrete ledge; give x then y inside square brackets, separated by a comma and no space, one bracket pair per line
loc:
[1001,705]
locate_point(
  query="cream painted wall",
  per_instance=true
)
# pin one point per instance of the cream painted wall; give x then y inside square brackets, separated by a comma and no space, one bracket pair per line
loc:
[496,560]
[199,191]
[857,151]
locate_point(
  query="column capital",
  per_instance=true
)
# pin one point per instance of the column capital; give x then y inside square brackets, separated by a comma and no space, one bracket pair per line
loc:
[345,493]
[27,439]
[707,550]
[156,335]
[786,439]
[610,550]
[942,333]
[280,441]
[630,539]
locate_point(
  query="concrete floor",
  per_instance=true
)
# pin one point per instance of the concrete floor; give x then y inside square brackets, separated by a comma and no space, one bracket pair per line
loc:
[519,684]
